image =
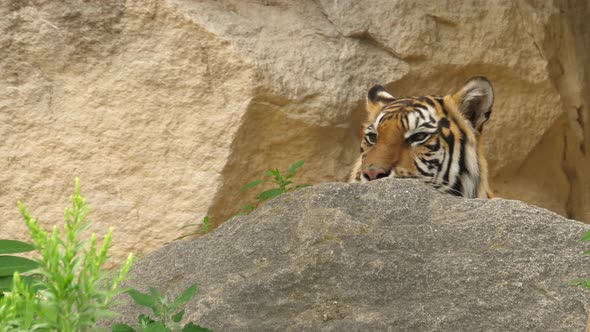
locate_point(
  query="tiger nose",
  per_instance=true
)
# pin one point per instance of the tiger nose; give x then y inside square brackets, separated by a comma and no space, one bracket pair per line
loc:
[375,173]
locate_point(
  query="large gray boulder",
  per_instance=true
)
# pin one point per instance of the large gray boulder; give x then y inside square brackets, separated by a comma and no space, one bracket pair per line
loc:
[391,255]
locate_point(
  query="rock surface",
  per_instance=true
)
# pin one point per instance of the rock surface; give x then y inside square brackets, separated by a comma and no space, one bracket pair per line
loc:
[391,255]
[165,108]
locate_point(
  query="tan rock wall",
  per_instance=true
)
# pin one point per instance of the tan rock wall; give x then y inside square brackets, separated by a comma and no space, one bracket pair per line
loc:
[165,108]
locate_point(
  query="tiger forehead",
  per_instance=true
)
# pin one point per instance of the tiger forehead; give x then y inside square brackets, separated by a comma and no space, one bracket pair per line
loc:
[409,113]
[410,103]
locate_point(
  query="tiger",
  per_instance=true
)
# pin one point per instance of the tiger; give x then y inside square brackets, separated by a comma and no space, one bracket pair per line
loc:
[436,138]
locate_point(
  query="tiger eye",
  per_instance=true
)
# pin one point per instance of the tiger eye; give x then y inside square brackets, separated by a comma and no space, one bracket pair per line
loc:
[418,137]
[372,137]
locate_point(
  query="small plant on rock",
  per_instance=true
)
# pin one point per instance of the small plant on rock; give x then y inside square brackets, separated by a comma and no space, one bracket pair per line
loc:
[166,315]
[584,282]
[282,184]
[203,228]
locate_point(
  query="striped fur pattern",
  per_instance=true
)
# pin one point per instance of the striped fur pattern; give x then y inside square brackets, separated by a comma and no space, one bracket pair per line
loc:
[434,138]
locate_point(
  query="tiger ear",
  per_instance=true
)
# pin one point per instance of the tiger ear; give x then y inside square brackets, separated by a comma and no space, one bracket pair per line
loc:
[475,100]
[376,99]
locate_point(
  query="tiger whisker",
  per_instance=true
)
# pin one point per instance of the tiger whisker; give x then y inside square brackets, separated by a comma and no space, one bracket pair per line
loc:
[444,188]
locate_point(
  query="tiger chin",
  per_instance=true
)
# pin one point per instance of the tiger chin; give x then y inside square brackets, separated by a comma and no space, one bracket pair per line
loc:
[430,137]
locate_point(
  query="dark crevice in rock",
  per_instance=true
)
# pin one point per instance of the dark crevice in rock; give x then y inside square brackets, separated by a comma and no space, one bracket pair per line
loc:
[564,49]
[367,37]
[580,120]
[569,173]
[326,16]
[442,20]
[528,31]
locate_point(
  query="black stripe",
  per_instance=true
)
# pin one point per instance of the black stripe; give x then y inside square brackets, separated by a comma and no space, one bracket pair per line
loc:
[444,157]
[405,123]
[431,162]
[450,140]
[443,123]
[430,102]
[422,172]
[420,113]
[462,165]
[433,147]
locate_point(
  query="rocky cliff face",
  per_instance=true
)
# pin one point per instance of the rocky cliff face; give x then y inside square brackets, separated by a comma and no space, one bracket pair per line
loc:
[165,108]
[340,257]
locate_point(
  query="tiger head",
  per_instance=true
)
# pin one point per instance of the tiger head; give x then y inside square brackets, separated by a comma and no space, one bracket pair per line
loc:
[435,138]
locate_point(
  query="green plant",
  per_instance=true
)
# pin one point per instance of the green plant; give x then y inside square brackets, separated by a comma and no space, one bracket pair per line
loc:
[584,282]
[282,184]
[10,264]
[203,228]
[167,315]
[75,290]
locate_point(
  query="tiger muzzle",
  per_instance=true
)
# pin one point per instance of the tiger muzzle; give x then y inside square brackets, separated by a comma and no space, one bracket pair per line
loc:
[371,174]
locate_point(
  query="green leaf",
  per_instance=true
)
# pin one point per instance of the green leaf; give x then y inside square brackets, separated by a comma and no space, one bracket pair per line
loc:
[119,327]
[178,317]
[271,172]
[300,186]
[142,299]
[156,327]
[157,311]
[145,320]
[581,282]
[11,264]
[586,236]
[190,327]
[268,194]
[5,284]
[155,293]
[251,185]
[13,247]
[295,166]
[188,294]
[248,208]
